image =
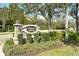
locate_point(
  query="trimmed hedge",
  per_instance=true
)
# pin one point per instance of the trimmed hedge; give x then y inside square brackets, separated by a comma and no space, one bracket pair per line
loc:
[38,37]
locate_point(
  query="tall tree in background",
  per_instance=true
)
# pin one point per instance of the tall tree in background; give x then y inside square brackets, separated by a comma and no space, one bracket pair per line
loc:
[74,14]
[15,13]
[46,10]
[4,17]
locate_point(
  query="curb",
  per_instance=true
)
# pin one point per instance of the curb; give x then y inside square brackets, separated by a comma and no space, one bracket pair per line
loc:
[1,49]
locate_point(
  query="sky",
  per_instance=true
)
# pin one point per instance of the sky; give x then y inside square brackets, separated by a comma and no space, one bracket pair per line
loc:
[4,4]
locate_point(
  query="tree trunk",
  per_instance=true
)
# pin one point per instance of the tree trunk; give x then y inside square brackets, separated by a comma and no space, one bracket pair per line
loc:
[49,24]
[3,25]
[66,30]
[77,20]
[77,26]
[66,26]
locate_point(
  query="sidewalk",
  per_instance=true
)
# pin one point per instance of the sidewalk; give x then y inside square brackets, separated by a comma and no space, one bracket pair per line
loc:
[1,52]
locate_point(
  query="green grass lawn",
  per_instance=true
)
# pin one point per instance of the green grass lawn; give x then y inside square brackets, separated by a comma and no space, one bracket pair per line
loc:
[66,51]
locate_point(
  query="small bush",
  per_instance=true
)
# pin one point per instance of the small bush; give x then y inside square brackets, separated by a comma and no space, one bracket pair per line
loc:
[74,37]
[29,38]
[9,43]
[8,46]
[20,39]
[56,35]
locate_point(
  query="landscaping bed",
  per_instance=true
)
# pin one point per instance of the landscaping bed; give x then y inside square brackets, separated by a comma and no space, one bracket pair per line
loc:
[50,44]
[29,49]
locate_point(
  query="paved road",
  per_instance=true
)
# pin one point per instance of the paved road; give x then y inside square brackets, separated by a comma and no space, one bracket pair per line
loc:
[2,39]
[5,37]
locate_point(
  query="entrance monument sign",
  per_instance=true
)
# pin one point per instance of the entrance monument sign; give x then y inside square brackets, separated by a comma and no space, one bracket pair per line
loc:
[30,29]
[24,30]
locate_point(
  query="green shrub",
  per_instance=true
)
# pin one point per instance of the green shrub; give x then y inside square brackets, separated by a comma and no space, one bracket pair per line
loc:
[8,46]
[20,39]
[9,43]
[52,36]
[37,37]
[45,36]
[74,37]
[56,35]
[29,38]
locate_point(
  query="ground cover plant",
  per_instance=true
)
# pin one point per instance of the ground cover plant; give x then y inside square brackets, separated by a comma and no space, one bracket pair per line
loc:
[28,49]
